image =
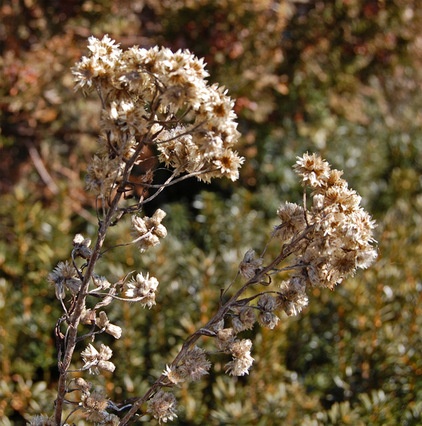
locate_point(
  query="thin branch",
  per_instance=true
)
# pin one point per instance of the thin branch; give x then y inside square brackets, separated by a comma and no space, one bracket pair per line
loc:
[221,313]
[187,132]
[41,169]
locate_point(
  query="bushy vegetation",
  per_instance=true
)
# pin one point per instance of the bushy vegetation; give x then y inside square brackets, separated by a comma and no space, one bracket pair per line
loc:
[338,78]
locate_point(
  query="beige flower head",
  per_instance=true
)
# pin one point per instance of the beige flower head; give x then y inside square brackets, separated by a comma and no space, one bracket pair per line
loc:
[64,277]
[162,406]
[242,359]
[313,170]
[148,231]
[142,289]
[250,264]
[97,360]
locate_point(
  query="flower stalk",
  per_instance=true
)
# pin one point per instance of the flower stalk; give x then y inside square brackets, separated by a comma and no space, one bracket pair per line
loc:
[157,109]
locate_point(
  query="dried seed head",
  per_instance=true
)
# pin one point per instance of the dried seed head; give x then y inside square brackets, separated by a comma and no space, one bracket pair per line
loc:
[97,360]
[244,319]
[267,303]
[268,320]
[81,247]
[64,276]
[162,406]
[242,359]
[194,364]
[83,385]
[250,264]
[103,322]
[142,289]
[225,338]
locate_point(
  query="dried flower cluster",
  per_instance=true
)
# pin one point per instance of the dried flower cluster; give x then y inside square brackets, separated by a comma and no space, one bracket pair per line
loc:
[242,360]
[142,289]
[156,107]
[97,360]
[339,233]
[158,99]
[321,245]
[148,230]
[95,404]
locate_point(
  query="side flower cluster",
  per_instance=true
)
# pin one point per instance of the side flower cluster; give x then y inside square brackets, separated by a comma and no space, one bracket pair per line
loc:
[95,404]
[142,289]
[339,233]
[97,360]
[147,231]
[239,349]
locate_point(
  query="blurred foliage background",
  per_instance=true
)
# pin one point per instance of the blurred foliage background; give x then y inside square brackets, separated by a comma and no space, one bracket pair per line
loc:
[342,78]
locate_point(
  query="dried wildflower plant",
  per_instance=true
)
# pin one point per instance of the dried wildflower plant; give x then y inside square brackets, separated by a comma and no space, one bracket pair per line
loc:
[157,108]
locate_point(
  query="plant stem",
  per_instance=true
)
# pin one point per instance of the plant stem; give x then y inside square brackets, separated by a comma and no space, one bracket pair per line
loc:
[82,294]
[77,311]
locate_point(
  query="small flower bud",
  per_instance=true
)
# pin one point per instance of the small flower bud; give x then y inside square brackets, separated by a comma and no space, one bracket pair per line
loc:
[139,226]
[244,320]
[250,264]
[160,231]
[81,246]
[83,385]
[106,366]
[88,316]
[104,323]
[225,338]
[267,303]
[158,216]
[268,319]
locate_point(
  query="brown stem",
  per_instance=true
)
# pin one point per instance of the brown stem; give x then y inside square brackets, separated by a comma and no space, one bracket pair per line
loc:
[83,292]
[78,308]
